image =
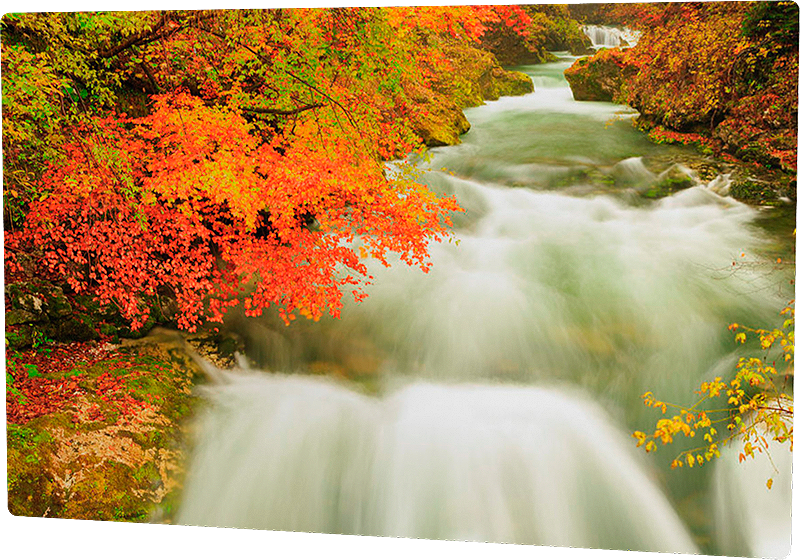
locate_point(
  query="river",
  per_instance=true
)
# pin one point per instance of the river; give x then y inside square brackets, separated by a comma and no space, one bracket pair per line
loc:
[493,398]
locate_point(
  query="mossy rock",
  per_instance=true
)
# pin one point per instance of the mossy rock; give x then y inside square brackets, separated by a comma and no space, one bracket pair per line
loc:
[600,77]
[25,297]
[78,328]
[56,303]
[39,299]
[441,124]
[121,464]
[753,191]
[511,82]
[19,336]
[669,182]
[20,316]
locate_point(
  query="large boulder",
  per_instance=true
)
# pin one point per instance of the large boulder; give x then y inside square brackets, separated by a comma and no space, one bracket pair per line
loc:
[438,120]
[511,83]
[600,77]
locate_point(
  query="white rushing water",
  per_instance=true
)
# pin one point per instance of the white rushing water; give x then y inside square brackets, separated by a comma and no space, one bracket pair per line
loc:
[611,37]
[467,462]
[505,383]
[752,519]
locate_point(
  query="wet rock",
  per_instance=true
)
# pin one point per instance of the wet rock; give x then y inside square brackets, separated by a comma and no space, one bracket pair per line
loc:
[512,83]
[674,179]
[600,77]
[753,190]
[476,77]
[441,124]
[219,348]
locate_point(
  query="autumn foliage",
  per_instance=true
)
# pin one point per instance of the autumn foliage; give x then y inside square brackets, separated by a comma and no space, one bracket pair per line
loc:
[756,405]
[724,70]
[222,158]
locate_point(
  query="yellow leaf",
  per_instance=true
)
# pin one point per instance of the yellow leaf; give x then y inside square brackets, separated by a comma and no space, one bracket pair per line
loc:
[769,484]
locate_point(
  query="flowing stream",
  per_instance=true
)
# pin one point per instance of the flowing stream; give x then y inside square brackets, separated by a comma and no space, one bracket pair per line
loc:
[493,398]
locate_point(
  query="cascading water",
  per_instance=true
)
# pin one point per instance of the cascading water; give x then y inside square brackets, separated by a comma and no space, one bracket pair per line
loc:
[610,37]
[751,519]
[503,384]
[467,462]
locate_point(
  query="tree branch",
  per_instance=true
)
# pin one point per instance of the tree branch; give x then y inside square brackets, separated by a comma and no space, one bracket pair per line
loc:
[265,111]
[151,35]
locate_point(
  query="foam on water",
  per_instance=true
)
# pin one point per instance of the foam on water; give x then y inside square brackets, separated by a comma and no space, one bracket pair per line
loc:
[468,462]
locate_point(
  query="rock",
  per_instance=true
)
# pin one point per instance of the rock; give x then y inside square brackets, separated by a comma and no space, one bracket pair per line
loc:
[476,77]
[78,328]
[57,304]
[753,190]
[23,297]
[581,48]
[168,308]
[441,124]
[510,82]
[41,301]
[600,77]
[496,83]
[19,336]
[670,181]
[20,316]
[124,329]
[218,348]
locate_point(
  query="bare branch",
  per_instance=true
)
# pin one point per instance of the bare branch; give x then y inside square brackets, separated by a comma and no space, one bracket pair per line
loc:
[267,111]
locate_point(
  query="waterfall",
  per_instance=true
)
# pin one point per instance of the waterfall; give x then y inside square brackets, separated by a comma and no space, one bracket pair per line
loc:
[467,462]
[610,37]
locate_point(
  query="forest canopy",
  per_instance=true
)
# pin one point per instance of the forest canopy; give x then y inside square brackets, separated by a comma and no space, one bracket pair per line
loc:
[220,158]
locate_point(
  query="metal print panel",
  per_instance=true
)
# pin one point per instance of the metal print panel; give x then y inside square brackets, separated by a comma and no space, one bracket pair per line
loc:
[491,274]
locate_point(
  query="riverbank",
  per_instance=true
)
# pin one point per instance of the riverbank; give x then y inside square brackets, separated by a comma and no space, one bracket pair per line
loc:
[721,77]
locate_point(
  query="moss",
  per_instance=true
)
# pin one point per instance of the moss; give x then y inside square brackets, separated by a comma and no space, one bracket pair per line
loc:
[475,78]
[119,464]
[19,336]
[753,191]
[514,83]
[56,303]
[441,124]
[79,327]
[671,180]
[600,77]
